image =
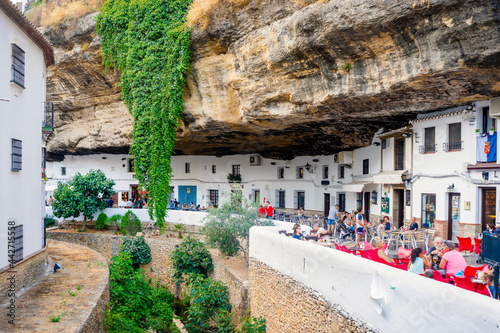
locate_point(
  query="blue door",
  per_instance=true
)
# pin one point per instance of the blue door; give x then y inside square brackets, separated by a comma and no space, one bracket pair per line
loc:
[187,194]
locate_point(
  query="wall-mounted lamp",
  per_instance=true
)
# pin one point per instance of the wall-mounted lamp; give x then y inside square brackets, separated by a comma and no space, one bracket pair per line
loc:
[486,175]
[376,143]
[417,138]
[450,188]
[273,163]
[308,167]
[316,160]
[406,135]
[347,166]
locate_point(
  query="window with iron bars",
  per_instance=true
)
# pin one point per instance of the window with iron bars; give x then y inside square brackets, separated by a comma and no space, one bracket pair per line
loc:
[17,155]
[18,58]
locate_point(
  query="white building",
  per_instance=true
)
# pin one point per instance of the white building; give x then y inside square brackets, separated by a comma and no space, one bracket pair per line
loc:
[24,56]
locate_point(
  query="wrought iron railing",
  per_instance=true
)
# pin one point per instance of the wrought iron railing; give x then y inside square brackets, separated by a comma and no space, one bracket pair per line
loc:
[427,149]
[453,146]
[48,118]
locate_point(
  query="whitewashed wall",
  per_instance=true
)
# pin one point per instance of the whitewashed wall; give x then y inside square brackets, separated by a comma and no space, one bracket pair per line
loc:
[21,197]
[412,303]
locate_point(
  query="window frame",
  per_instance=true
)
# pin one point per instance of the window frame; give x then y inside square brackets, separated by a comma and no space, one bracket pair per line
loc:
[16,155]
[18,66]
[63,171]
[422,210]
[429,147]
[214,168]
[281,173]
[399,156]
[236,168]
[341,171]
[325,172]
[454,145]
[366,166]
[299,172]
[213,194]
[187,167]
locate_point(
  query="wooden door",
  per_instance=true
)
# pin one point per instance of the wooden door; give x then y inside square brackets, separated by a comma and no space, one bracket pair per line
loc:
[326,204]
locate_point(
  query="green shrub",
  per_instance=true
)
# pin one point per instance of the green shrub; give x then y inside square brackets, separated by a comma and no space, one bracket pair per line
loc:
[208,306]
[116,220]
[138,249]
[191,257]
[101,222]
[253,325]
[130,224]
[49,221]
[161,313]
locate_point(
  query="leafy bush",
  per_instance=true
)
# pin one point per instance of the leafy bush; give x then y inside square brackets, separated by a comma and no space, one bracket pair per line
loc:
[253,325]
[116,220]
[161,313]
[130,224]
[191,257]
[49,221]
[138,249]
[101,222]
[228,227]
[209,309]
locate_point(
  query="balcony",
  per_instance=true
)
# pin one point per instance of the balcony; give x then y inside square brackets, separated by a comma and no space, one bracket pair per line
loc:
[453,146]
[424,149]
[48,118]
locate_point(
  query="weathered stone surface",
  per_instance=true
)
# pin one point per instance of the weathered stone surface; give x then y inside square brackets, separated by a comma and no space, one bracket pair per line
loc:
[271,76]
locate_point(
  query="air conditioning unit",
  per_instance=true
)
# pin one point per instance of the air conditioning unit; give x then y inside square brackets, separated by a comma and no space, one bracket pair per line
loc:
[495,107]
[343,157]
[254,160]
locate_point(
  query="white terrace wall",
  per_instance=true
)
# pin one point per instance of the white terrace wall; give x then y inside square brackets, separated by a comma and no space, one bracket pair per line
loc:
[341,283]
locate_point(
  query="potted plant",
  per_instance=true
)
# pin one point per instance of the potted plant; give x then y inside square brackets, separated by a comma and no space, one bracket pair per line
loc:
[478,132]
[492,130]
[234,178]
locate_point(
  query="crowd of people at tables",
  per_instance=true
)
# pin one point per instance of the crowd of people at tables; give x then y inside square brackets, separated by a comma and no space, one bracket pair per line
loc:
[176,205]
[442,257]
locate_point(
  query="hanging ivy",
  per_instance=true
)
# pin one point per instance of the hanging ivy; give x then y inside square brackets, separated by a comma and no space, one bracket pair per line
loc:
[149,42]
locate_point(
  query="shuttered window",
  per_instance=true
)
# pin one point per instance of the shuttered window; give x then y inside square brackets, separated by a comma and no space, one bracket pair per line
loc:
[17,65]
[17,155]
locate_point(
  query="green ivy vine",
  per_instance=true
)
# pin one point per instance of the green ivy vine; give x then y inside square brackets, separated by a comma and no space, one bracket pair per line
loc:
[149,42]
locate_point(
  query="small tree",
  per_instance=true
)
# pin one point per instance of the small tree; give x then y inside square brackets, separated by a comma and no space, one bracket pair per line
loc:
[82,194]
[228,227]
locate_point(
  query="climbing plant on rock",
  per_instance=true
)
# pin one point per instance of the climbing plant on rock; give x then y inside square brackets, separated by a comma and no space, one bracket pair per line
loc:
[149,42]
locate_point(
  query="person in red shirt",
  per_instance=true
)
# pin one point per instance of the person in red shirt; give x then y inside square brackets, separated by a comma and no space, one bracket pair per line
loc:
[269,210]
[262,211]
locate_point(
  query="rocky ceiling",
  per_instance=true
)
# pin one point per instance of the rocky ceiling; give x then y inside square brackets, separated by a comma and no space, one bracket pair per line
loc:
[287,78]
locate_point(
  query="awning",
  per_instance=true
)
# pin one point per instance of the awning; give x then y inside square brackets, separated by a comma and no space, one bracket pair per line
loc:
[356,186]
[389,177]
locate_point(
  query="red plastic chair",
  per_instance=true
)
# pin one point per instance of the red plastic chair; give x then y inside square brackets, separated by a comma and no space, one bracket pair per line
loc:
[478,247]
[466,283]
[404,253]
[364,254]
[438,277]
[465,244]
[337,247]
[470,271]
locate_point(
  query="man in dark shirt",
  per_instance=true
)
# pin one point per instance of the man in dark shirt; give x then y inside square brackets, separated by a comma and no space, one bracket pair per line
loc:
[433,256]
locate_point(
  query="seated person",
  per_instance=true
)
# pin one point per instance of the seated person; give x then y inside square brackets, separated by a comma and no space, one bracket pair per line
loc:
[317,230]
[198,208]
[191,206]
[129,204]
[297,232]
[490,229]
[489,281]
[377,243]
[433,256]
[203,208]
[185,207]
[145,205]
[172,204]
[386,223]
[453,261]
[417,262]
[414,224]
[300,212]
[348,221]
[136,203]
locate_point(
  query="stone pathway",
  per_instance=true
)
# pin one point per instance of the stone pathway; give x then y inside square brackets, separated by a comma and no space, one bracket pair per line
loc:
[57,294]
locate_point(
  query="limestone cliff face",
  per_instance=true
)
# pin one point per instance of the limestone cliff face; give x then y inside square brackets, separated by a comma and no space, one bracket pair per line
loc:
[286,78]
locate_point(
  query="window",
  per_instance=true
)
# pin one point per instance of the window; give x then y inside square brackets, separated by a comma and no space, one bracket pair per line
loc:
[487,122]
[342,202]
[429,140]
[17,232]
[63,171]
[359,200]
[281,173]
[428,210]
[214,169]
[187,167]
[454,137]
[366,167]
[325,171]
[17,65]
[17,155]
[300,172]
[236,169]
[374,197]
[399,154]
[341,172]
[213,196]
[130,165]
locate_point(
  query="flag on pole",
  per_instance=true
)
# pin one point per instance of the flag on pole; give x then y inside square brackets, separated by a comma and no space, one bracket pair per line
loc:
[486,148]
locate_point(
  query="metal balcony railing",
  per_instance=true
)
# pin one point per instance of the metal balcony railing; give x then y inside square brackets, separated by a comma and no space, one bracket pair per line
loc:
[427,149]
[453,146]
[48,118]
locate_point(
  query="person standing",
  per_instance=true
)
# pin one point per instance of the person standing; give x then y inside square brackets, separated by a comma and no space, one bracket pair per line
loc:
[269,210]
[360,224]
[262,211]
[332,215]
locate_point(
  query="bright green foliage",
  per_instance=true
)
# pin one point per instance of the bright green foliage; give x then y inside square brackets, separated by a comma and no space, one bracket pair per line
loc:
[228,227]
[130,224]
[253,325]
[138,249]
[101,222]
[148,41]
[135,306]
[209,308]
[49,220]
[191,257]
[82,194]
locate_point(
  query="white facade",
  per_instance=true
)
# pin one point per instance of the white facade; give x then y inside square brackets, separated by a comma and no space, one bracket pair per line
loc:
[21,109]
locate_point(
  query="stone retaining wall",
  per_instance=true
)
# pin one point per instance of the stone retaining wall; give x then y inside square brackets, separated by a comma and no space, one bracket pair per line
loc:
[289,306]
[27,272]
[160,267]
